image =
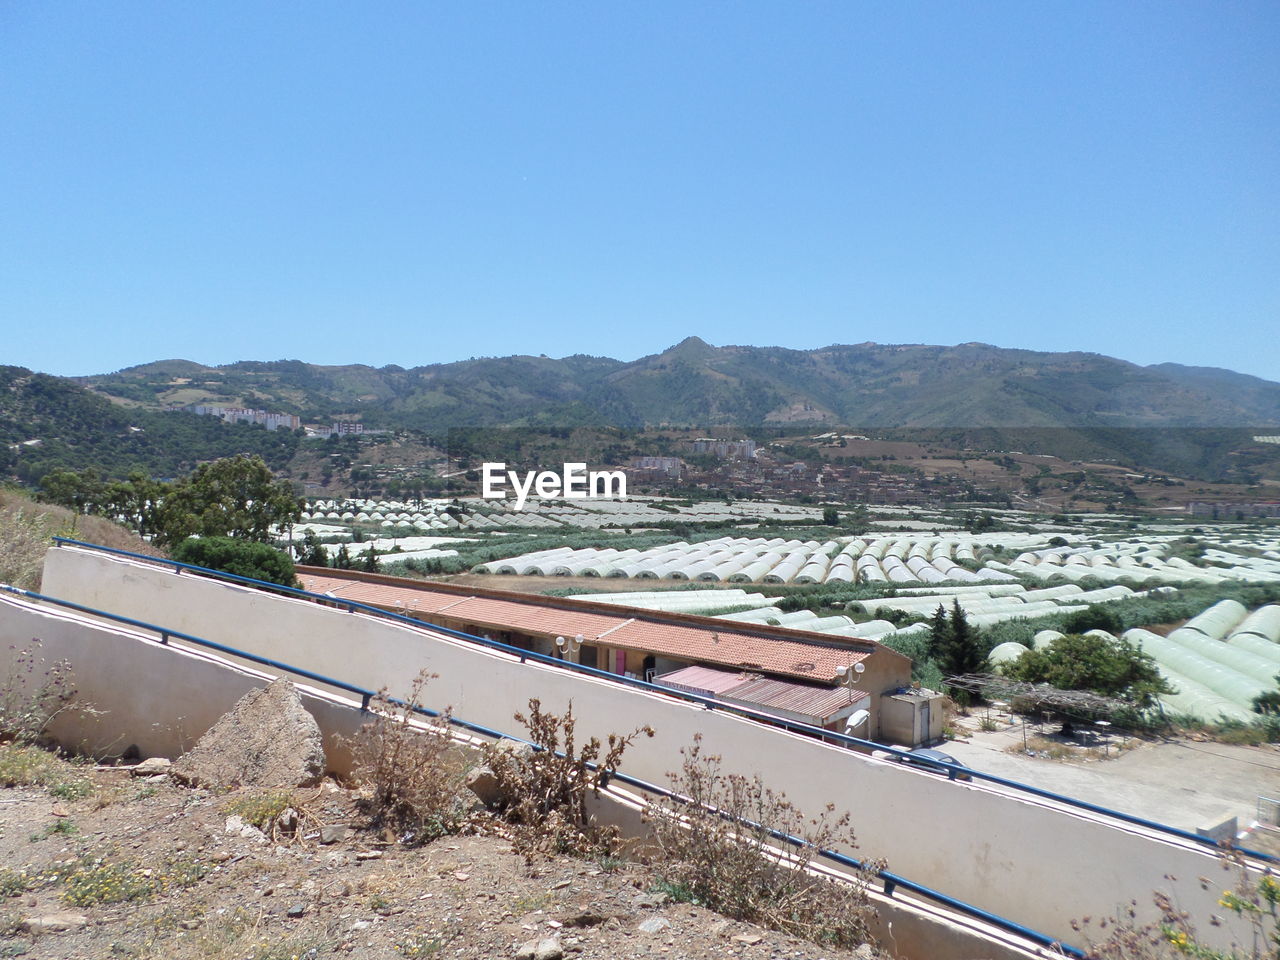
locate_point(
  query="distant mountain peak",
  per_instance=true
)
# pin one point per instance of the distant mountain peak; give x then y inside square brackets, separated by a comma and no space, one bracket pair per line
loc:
[172,367]
[691,343]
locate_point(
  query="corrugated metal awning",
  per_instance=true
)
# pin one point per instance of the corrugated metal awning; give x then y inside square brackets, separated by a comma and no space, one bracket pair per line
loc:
[810,704]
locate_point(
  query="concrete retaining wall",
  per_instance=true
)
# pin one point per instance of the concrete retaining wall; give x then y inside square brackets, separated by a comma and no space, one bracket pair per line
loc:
[161,698]
[1030,860]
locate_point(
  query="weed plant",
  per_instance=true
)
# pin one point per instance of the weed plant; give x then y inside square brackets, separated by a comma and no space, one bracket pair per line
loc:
[1254,899]
[716,847]
[34,693]
[62,827]
[23,765]
[544,791]
[88,880]
[412,769]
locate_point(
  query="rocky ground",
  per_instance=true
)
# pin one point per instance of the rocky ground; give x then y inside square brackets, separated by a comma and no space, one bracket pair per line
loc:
[97,862]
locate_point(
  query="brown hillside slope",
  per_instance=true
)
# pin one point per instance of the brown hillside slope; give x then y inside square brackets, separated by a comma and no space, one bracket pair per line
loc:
[27,530]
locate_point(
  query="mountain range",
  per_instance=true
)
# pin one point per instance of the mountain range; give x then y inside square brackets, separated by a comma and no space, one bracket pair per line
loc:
[695,384]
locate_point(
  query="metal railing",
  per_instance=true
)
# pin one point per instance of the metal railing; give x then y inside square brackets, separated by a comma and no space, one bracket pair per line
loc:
[891,881]
[953,771]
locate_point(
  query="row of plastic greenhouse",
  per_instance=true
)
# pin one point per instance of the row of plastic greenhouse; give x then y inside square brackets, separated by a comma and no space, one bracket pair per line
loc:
[987,605]
[1142,561]
[741,606]
[1218,662]
[775,560]
[982,605]
[434,515]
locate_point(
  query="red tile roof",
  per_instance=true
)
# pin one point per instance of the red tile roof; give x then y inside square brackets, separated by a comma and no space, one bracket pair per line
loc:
[713,645]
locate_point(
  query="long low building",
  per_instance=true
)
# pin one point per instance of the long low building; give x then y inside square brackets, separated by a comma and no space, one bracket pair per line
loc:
[643,643]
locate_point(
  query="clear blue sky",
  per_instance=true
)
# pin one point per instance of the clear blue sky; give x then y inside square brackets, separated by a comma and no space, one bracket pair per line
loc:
[422,182]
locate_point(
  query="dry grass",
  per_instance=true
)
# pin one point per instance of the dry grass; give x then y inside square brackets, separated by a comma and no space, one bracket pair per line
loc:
[1069,751]
[414,772]
[545,790]
[27,529]
[716,848]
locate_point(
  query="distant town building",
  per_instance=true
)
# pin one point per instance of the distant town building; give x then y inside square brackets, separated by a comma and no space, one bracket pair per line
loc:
[340,428]
[726,449]
[272,421]
[655,468]
[1230,511]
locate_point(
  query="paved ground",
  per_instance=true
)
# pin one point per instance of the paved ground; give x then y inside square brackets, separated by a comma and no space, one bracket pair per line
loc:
[1182,783]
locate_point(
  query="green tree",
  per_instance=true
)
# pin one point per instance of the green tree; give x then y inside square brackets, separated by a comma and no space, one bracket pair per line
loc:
[954,646]
[241,557]
[81,492]
[939,631]
[135,501]
[313,552]
[369,561]
[830,516]
[342,559]
[234,497]
[1107,666]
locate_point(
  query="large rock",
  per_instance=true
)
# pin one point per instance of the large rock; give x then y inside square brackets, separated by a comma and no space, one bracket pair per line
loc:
[267,740]
[483,782]
[53,923]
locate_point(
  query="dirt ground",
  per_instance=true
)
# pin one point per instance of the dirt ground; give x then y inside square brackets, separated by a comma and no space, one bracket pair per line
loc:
[229,892]
[1179,781]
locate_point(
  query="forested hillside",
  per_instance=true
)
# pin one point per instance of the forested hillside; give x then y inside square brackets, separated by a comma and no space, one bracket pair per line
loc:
[695,384]
[1189,421]
[49,423]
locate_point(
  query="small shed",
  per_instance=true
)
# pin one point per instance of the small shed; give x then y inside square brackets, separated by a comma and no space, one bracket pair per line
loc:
[911,717]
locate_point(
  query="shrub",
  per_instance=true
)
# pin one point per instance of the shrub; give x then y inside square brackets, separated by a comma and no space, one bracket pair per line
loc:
[31,766]
[717,847]
[1095,617]
[544,793]
[1107,666]
[1255,899]
[240,557]
[414,773]
[1269,702]
[34,693]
